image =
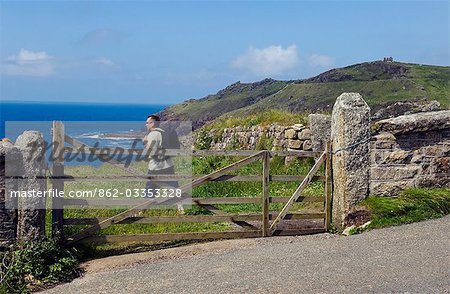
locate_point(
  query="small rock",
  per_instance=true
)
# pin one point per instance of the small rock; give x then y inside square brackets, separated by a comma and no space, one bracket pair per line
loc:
[295,144]
[298,127]
[417,158]
[305,134]
[365,225]
[347,230]
[290,134]
[307,145]
[384,137]
[398,156]
[435,151]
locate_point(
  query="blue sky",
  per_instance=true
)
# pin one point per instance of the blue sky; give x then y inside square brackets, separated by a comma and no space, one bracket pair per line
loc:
[167,52]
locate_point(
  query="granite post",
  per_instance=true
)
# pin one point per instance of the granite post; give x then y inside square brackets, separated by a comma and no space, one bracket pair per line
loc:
[350,137]
[31,210]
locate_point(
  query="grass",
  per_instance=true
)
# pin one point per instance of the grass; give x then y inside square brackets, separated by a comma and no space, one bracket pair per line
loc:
[410,206]
[263,118]
[200,166]
[299,98]
[227,100]
[374,81]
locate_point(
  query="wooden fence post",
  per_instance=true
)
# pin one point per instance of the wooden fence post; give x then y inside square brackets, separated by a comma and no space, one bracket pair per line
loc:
[328,187]
[57,184]
[265,194]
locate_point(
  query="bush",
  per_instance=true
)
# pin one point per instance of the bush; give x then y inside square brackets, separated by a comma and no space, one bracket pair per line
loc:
[36,265]
[203,141]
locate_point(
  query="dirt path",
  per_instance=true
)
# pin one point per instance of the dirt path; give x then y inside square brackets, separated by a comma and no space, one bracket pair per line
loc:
[412,258]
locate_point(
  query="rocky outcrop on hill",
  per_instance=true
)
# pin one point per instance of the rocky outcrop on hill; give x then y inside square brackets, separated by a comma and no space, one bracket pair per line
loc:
[376,70]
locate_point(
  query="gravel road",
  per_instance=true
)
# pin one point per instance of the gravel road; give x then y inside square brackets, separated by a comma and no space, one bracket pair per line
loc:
[411,258]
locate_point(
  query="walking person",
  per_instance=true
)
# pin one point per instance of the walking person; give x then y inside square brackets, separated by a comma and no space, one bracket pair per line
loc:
[155,142]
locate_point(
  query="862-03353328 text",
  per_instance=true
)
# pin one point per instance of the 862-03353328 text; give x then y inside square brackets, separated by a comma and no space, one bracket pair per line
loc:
[101,193]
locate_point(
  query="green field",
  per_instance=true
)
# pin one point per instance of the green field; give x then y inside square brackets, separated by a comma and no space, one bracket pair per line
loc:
[200,166]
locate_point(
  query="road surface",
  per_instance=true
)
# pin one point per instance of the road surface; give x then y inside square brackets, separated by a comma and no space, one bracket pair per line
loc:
[411,258]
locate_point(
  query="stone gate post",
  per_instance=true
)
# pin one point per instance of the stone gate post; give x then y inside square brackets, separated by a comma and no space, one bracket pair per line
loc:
[31,210]
[350,136]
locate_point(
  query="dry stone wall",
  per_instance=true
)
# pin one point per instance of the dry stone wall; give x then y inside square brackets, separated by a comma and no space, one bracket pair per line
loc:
[405,151]
[410,151]
[274,137]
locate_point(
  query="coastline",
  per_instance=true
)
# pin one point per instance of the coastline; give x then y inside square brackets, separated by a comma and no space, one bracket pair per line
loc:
[21,111]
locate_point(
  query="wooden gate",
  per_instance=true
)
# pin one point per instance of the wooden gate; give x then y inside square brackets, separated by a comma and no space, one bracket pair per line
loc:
[265,223]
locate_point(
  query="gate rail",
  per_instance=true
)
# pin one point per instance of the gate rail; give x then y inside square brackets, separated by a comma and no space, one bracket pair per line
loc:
[269,220]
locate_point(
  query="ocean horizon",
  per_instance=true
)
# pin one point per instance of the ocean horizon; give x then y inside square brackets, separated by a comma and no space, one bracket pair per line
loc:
[45,111]
[86,122]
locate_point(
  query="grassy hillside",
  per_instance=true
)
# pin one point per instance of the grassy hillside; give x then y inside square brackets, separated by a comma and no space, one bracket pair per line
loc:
[235,96]
[380,83]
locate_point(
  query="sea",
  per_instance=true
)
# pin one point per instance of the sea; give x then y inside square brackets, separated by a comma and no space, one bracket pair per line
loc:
[89,123]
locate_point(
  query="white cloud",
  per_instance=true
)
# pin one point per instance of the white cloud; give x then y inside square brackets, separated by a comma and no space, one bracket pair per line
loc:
[317,60]
[28,63]
[270,61]
[25,56]
[104,61]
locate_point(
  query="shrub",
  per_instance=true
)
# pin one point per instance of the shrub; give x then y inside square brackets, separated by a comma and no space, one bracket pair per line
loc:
[203,141]
[36,265]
